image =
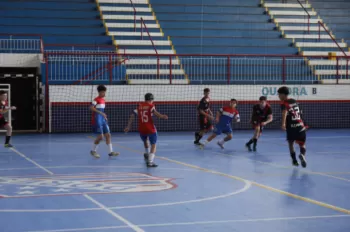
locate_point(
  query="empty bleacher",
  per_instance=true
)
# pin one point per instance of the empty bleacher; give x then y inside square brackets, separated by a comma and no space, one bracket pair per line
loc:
[220,27]
[313,35]
[59,22]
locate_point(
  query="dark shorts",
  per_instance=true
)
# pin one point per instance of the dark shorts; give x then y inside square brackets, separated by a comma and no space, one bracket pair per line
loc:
[296,136]
[205,123]
[3,122]
[151,137]
[258,124]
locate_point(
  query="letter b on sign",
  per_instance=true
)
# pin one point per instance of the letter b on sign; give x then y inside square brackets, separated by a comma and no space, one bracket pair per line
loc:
[314,91]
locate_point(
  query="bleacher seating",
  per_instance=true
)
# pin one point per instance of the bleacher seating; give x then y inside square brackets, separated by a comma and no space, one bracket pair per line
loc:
[124,22]
[220,27]
[59,22]
[309,36]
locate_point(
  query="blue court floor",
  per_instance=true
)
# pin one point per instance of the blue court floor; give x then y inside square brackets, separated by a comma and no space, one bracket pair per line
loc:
[51,183]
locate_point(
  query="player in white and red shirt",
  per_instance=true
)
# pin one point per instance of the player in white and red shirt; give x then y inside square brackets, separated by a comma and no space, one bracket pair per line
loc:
[146,127]
[4,108]
[224,119]
[99,122]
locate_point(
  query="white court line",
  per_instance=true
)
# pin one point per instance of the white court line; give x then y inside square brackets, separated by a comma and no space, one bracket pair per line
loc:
[114,214]
[247,185]
[198,223]
[107,166]
[282,166]
[32,161]
[245,188]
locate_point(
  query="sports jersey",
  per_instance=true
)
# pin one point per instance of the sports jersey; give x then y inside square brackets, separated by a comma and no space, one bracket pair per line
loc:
[100,104]
[144,114]
[227,115]
[294,121]
[261,115]
[3,106]
[204,104]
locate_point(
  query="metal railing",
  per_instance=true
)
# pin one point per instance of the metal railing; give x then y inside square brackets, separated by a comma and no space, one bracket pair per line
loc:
[221,69]
[133,6]
[309,16]
[21,43]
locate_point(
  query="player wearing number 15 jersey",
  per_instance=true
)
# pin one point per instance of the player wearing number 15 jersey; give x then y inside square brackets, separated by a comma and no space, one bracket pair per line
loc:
[293,124]
[146,127]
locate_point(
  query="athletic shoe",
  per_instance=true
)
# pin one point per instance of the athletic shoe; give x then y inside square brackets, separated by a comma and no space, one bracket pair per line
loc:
[302,160]
[95,154]
[221,145]
[113,153]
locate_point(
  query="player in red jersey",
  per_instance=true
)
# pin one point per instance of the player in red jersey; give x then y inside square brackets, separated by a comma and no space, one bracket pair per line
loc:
[261,116]
[205,116]
[99,123]
[293,125]
[4,108]
[146,127]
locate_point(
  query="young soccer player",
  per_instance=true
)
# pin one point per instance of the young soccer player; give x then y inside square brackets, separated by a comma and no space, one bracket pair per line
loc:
[4,108]
[261,116]
[223,120]
[205,117]
[99,123]
[146,127]
[293,125]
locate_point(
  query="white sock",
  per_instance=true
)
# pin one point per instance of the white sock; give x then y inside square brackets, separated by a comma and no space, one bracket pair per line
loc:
[222,142]
[151,157]
[94,147]
[110,148]
[147,150]
[206,142]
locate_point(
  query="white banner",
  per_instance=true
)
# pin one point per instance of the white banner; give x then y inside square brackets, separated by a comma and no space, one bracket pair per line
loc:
[164,93]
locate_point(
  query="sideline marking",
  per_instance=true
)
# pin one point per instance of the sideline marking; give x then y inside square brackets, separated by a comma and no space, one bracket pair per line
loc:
[282,166]
[198,223]
[309,200]
[114,214]
[32,161]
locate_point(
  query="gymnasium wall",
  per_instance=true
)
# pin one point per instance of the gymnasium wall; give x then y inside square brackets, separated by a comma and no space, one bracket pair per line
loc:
[323,106]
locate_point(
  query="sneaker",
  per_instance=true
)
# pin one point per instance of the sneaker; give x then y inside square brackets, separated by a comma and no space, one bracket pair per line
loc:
[7,145]
[302,160]
[254,148]
[248,147]
[220,145]
[197,143]
[145,155]
[95,154]
[113,153]
[151,165]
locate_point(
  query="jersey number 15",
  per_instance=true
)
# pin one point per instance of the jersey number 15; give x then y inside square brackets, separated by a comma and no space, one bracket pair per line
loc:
[144,116]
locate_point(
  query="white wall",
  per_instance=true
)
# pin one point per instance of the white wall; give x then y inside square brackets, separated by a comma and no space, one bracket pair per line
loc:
[20,60]
[164,93]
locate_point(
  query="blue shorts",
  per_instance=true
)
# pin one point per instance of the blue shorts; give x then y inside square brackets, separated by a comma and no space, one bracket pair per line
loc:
[152,138]
[223,129]
[101,129]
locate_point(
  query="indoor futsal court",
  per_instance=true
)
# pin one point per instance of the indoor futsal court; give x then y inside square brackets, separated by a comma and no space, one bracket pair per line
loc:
[51,183]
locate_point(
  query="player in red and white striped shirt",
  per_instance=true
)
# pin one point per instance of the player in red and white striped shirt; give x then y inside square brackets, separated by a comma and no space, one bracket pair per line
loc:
[146,127]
